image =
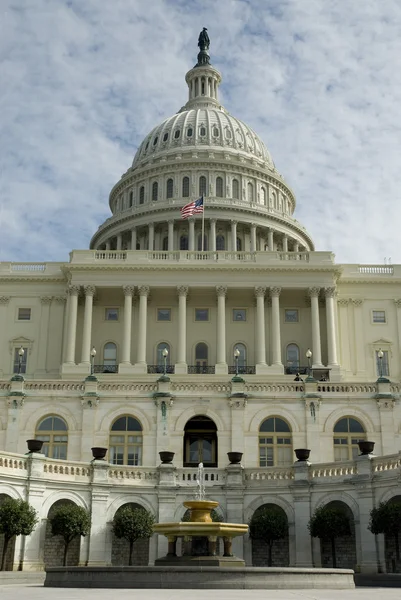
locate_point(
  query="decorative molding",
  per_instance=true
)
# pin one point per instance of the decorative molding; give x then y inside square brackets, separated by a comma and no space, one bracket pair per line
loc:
[182,290]
[164,402]
[129,290]
[275,292]
[60,299]
[144,290]
[89,290]
[356,301]
[343,301]
[15,402]
[260,291]
[221,290]
[4,300]
[73,290]
[237,402]
[46,299]
[88,403]
[18,342]
[330,292]
[385,404]
[397,302]
[313,292]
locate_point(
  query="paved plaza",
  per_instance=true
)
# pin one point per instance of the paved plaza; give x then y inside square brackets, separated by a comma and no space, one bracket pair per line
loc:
[37,592]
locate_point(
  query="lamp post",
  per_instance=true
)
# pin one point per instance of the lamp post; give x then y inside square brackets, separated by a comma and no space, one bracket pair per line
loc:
[308,355]
[21,353]
[380,355]
[93,354]
[165,355]
[236,357]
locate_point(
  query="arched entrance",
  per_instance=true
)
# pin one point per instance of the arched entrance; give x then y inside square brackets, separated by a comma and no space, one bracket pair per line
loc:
[120,547]
[8,565]
[393,565]
[200,442]
[280,549]
[54,544]
[345,546]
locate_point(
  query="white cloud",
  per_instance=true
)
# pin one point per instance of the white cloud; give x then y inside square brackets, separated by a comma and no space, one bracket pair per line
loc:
[83,82]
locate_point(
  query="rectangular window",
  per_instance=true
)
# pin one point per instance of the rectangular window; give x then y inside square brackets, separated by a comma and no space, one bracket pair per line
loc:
[164,314]
[291,315]
[24,314]
[379,316]
[20,359]
[111,314]
[382,364]
[201,314]
[239,314]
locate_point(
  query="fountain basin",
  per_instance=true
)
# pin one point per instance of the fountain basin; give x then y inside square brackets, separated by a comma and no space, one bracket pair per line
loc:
[199,529]
[200,510]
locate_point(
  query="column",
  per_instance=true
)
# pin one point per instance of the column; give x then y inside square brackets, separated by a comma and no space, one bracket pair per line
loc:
[87,330]
[397,303]
[260,328]
[302,511]
[212,241]
[270,240]
[276,336]
[191,244]
[129,291]
[296,247]
[99,549]
[107,244]
[345,336]
[142,327]
[233,236]
[73,291]
[221,365]
[331,327]
[133,238]
[151,237]
[181,366]
[41,365]
[119,241]
[285,243]
[358,342]
[170,235]
[316,342]
[253,237]
[35,493]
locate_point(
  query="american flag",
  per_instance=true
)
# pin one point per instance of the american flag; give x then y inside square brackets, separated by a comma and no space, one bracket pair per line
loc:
[193,208]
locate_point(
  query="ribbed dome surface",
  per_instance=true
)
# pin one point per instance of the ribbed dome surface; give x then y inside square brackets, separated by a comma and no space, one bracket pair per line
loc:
[203,128]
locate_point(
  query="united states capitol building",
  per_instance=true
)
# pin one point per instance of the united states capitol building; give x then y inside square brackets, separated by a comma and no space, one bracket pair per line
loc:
[246,339]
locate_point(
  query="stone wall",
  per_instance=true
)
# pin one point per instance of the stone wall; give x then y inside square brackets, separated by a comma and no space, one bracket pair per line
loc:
[54,544]
[120,548]
[344,546]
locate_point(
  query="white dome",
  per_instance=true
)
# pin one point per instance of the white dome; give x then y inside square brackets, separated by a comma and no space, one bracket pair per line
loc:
[205,128]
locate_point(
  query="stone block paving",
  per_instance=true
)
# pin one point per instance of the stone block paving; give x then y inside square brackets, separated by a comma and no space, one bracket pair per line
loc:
[37,592]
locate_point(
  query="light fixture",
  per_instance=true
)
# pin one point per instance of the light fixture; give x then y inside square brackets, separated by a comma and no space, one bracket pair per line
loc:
[380,355]
[308,355]
[93,354]
[237,354]
[165,355]
[21,353]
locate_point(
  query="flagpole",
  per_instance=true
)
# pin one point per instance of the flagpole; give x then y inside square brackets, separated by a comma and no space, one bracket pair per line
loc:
[203,224]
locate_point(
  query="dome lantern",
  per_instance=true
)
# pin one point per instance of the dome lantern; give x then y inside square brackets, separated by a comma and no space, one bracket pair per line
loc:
[203,80]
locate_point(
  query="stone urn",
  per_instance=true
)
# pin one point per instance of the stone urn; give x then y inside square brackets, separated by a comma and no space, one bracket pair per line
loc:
[166,457]
[234,457]
[366,447]
[302,454]
[34,445]
[99,453]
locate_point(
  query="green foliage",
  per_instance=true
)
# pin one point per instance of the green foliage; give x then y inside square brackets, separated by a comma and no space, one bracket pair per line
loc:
[329,523]
[70,521]
[17,517]
[268,524]
[386,518]
[133,523]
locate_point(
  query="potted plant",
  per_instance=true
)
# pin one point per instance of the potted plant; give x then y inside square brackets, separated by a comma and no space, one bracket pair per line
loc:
[34,445]
[234,457]
[99,453]
[302,454]
[366,447]
[166,457]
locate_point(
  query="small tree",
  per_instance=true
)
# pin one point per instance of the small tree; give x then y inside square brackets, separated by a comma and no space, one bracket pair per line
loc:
[17,517]
[328,524]
[132,524]
[268,524]
[70,521]
[386,518]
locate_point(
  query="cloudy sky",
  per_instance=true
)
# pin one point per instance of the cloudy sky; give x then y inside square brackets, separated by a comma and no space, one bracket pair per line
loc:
[83,81]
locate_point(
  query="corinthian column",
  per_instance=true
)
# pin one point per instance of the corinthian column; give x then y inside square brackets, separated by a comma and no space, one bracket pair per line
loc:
[129,291]
[140,365]
[331,327]
[253,237]
[233,236]
[73,292]
[170,236]
[276,335]
[221,365]
[212,243]
[181,367]
[191,242]
[260,327]
[87,329]
[316,343]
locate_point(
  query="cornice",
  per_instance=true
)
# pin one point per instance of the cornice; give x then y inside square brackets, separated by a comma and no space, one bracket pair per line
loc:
[42,279]
[377,281]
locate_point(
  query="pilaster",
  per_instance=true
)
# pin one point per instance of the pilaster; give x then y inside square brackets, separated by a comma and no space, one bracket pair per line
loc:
[99,551]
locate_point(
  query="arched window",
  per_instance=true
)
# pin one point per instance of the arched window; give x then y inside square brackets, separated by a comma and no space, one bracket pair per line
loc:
[165,137]
[250,192]
[110,358]
[347,433]
[275,443]
[141,194]
[236,189]
[200,442]
[160,358]
[202,131]
[201,357]
[202,185]
[125,447]
[184,242]
[165,243]
[220,242]
[239,244]
[177,134]
[190,132]
[241,358]
[169,188]
[292,358]
[204,242]
[155,191]
[263,196]
[185,187]
[53,431]
[131,199]
[219,187]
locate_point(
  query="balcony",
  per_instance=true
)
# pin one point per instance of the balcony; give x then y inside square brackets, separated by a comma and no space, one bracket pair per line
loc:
[242,370]
[111,369]
[201,370]
[169,369]
[321,374]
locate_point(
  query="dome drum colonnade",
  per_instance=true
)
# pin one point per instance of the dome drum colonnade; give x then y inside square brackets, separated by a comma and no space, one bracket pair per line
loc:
[181,366]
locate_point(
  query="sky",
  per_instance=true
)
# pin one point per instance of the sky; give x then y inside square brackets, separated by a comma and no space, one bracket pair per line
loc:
[83,81]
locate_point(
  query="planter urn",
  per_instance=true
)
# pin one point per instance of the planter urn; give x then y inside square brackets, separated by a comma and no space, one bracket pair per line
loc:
[234,457]
[366,447]
[302,454]
[34,445]
[99,453]
[166,457]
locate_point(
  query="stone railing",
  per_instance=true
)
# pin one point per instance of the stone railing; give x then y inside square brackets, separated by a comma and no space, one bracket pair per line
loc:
[127,387]
[386,463]
[275,388]
[345,388]
[370,271]
[201,387]
[333,470]
[269,474]
[65,469]
[133,475]
[188,476]
[35,269]
[13,462]
[62,386]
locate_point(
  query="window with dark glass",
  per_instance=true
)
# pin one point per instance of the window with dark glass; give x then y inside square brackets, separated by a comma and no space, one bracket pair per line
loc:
[155,141]
[177,134]
[200,242]
[165,243]
[201,314]
[382,364]
[275,443]
[155,190]
[379,316]
[239,244]
[291,315]
[189,132]
[169,188]
[235,189]
[219,187]
[202,185]
[111,314]
[164,314]
[184,242]
[24,314]
[53,432]
[165,137]
[293,356]
[200,442]
[347,433]
[141,195]
[185,187]
[131,199]
[239,314]
[220,242]
[202,131]
[125,444]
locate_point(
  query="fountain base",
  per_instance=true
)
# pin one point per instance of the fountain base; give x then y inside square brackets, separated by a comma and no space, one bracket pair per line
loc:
[199,561]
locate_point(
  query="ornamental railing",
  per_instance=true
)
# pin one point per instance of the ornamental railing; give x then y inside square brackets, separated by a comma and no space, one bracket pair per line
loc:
[242,370]
[169,369]
[106,369]
[201,370]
